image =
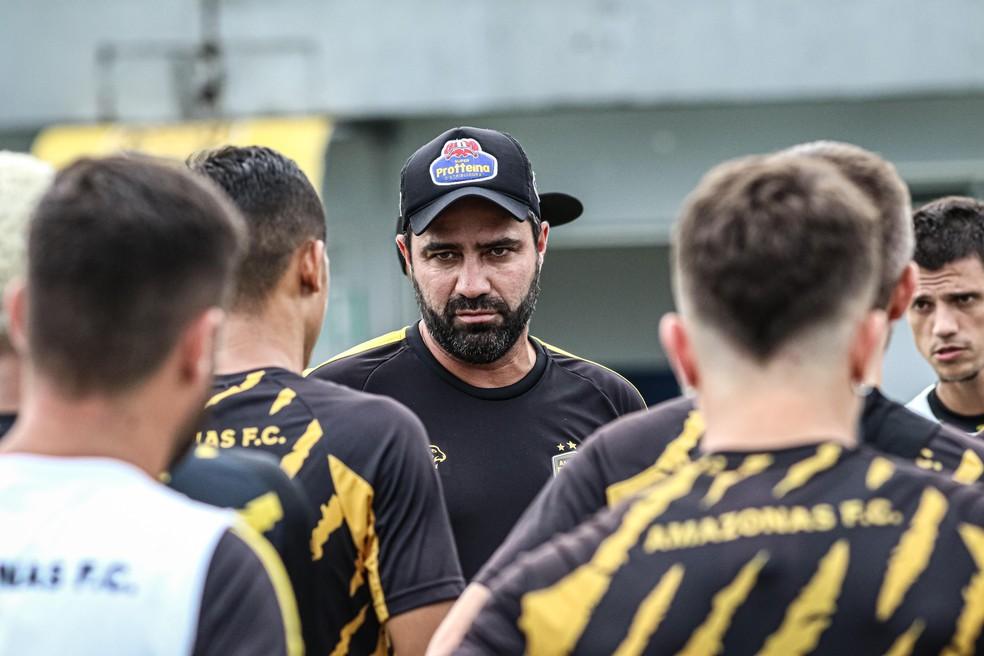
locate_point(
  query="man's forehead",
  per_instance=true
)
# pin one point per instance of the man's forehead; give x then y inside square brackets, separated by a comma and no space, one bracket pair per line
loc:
[460,225]
[967,273]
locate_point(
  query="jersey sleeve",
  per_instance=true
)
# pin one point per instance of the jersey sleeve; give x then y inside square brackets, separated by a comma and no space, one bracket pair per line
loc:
[412,559]
[577,493]
[247,604]
[496,630]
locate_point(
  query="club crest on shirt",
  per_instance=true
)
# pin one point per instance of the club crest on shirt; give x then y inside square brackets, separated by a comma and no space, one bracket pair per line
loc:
[568,450]
[438,455]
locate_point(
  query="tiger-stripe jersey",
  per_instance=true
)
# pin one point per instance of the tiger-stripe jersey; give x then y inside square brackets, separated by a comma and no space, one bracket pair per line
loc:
[378,536]
[636,451]
[816,549]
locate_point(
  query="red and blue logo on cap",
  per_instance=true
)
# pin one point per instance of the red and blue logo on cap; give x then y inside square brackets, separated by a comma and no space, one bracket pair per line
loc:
[463,161]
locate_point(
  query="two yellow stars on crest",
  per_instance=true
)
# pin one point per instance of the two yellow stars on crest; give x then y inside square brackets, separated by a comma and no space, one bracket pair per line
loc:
[571,446]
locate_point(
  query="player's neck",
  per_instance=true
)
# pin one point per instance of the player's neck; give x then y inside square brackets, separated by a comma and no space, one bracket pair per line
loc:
[128,429]
[507,370]
[273,337]
[9,383]
[963,397]
[777,417]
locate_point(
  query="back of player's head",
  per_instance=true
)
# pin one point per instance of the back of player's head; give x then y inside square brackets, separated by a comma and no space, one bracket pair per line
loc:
[123,253]
[23,179]
[949,229]
[880,182]
[280,206]
[770,248]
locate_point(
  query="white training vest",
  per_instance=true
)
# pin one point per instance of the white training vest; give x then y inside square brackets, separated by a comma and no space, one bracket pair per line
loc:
[98,558]
[920,404]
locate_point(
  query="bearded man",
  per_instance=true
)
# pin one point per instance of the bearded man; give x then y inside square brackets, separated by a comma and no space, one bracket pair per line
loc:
[504,410]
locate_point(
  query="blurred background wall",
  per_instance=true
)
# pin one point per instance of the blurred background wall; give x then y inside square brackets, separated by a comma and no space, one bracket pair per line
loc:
[624,103]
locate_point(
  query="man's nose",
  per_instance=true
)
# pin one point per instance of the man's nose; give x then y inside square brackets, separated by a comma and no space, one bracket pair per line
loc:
[944,322]
[473,280]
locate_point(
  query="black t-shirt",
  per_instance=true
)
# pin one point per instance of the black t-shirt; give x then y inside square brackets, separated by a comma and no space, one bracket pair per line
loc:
[241,611]
[379,538]
[816,549]
[966,423]
[275,506]
[493,448]
[627,456]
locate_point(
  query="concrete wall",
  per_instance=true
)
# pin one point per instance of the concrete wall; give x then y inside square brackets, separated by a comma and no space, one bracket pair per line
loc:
[387,58]
[605,280]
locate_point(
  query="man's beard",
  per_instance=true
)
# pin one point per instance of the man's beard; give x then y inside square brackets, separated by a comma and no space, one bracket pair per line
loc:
[479,343]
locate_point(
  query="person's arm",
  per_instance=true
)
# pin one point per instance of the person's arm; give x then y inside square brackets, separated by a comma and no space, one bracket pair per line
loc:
[576,494]
[248,606]
[417,570]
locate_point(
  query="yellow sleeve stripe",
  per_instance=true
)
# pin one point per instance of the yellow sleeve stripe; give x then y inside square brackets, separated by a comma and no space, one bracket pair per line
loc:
[293,461]
[568,354]
[651,612]
[970,468]
[972,615]
[331,519]
[674,456]
[803,471]
[708,637]
[382,340]
[579,593]
[809,614]
[263,512]
[281,584]
[879,471]
[283,400]
[252,380]
[345,637]
[356,496]
[911,555]
[906,642]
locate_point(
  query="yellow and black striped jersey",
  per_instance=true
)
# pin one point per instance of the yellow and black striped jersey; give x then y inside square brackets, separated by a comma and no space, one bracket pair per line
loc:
[494,448]
[379,534]
[816,549]
[636,451]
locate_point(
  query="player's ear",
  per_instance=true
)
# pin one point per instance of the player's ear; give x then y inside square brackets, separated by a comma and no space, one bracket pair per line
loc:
[15,307]
[196,349]
[902,294]
[404,248]
[541,240]
[312,265]
[866,347]
[676,342]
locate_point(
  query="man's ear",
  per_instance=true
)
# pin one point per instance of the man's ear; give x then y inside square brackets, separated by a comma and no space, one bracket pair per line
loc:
[679,351]
[404,248]
[866,348]
[541,241]
[15,309]
[902,294]
[197,346]
[311,266]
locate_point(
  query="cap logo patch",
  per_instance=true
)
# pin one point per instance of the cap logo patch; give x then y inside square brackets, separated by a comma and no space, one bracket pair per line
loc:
[463,161]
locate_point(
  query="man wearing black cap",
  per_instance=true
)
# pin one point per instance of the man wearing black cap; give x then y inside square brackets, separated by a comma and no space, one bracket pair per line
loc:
[504,411]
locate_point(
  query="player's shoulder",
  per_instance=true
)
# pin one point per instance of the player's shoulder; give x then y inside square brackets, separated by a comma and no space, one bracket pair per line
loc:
[609,382]
[655,426]
[353,366]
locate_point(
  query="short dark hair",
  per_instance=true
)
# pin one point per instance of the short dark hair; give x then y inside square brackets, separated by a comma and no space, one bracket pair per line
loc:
[948,229]
[769,247]
[281,208]
[880,182]
[123,252]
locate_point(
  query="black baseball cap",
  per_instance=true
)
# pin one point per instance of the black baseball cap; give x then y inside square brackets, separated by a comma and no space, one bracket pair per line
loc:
[475,162]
